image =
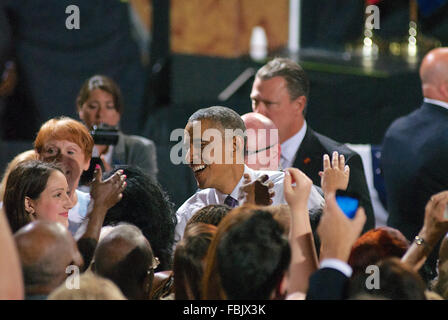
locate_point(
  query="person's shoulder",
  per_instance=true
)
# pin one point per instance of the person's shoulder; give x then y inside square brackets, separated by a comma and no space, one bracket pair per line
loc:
[405,122]
[137,140]
[82,195]
[198,200]
[331,145]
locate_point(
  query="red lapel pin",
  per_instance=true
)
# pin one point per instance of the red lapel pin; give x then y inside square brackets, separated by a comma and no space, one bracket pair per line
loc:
[307,160]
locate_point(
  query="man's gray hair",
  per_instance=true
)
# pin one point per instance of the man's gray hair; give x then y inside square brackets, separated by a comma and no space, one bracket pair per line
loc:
[222,116]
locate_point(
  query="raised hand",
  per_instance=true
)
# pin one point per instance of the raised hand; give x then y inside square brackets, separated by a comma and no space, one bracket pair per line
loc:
[108,192]
[259,192]
[337,232]
[335,175]
[435,224]
[297,196]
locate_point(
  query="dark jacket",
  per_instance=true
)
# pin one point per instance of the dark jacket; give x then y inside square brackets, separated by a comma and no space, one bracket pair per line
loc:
[309,159]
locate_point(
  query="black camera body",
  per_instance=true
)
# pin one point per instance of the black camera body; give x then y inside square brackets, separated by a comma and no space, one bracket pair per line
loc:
[105,135]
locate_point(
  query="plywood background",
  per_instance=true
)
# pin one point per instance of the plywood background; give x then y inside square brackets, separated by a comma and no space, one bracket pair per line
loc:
[223,27]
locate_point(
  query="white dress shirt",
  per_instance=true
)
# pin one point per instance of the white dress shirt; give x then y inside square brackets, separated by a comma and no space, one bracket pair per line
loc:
[337,264]
[289,148]
[440,103]
[208,196]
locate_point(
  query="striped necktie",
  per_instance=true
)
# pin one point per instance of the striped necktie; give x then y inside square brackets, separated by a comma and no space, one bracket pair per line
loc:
[231,202]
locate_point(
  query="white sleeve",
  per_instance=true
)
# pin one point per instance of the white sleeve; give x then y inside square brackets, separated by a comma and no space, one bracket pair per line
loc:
[337,265]
[315,200]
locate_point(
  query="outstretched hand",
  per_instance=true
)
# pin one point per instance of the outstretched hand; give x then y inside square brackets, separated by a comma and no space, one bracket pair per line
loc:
[435,225]
[108,192]
[336,174]
[337,232]
[259,192]
[297,196]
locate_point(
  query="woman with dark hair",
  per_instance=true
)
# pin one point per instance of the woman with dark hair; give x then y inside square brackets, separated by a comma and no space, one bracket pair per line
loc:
[146,205]
[189,260]
[100,102]
[36,190]
[39,190]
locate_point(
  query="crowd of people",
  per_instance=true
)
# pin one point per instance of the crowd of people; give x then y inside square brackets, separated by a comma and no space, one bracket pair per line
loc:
[265,223]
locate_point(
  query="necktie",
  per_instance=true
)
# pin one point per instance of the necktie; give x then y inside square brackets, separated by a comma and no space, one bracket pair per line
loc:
[231,202]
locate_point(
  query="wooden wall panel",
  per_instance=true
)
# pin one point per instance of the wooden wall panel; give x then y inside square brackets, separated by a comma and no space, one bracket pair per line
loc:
[223,27]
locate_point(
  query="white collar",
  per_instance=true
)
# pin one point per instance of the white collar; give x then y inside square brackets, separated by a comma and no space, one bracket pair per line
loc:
[440,103]
[289,147]
[235,194]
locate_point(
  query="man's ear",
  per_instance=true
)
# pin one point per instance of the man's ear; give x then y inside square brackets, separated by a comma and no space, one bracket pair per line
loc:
[299,104]
[29,206]
[444,89]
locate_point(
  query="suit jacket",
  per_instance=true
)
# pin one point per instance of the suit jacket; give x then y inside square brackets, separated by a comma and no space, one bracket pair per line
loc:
[5,39]
[414,158]
[327,284]
[309,159]
[136,151]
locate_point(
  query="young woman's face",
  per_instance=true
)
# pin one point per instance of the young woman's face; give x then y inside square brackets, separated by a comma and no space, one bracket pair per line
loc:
[99,108]
[53,203]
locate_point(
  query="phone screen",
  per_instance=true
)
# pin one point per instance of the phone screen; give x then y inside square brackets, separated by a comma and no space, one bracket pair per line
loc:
[348,205]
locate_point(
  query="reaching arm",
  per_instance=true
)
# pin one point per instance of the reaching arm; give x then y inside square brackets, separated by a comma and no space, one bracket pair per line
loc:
[11,281]
[435,226]
[105,194]
[303,253]
[259,192]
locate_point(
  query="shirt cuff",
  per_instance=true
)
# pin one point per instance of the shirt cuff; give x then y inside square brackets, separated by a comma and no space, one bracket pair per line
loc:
[338,265]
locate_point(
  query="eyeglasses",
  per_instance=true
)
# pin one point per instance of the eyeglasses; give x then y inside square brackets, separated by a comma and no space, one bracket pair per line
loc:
[260,150]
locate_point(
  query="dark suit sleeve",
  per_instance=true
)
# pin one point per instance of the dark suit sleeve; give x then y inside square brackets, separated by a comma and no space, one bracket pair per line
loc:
[358,184]
[327,284]
[5,38]
[143,153]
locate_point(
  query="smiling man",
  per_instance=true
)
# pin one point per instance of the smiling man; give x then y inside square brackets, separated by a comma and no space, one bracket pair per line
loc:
[215,142]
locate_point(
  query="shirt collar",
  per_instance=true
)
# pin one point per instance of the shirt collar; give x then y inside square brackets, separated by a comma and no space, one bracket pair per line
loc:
[289,147]
[235,192]
[436,102]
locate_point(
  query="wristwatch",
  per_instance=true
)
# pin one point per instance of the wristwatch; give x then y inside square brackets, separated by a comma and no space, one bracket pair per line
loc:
[421,242]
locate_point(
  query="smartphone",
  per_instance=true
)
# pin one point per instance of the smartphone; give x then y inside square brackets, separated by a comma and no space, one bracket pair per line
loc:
[348,202]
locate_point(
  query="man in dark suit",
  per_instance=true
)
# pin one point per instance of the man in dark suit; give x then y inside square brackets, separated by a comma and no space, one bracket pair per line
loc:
[280,92]
[415,151]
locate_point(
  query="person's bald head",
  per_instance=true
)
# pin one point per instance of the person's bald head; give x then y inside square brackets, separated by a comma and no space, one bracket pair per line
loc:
[125,256]
[434,74]
[45,249]
[263,148]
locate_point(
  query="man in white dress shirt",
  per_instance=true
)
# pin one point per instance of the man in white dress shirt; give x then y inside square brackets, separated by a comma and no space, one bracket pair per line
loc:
[215,137]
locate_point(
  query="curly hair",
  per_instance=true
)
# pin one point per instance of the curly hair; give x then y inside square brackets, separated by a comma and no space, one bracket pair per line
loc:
[147,206]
